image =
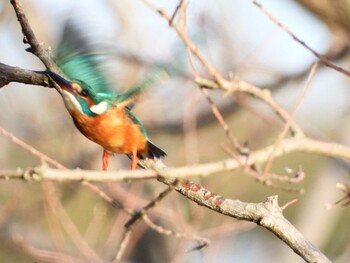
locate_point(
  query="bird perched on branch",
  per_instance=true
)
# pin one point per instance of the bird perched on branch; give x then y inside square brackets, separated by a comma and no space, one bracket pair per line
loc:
[99,113]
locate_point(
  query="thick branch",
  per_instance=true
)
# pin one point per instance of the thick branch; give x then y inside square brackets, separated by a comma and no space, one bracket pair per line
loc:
[267,214]
[15,74]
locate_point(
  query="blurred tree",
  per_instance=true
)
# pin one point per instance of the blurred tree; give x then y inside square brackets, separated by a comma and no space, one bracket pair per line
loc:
[215,50]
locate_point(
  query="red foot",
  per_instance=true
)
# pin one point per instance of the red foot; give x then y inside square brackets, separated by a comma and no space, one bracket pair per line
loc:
[105,160]
[134,161]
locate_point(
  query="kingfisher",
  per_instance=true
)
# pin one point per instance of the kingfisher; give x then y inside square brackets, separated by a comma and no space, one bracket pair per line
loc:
[99,112]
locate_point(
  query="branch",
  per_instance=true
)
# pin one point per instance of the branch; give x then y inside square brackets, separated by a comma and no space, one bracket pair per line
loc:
[287,146]
[212,70]
[267,214]
[35,47]
[322,58]
[42,255]
[220,82]
[15,74]
[288,123]
[262,94]
[136,217]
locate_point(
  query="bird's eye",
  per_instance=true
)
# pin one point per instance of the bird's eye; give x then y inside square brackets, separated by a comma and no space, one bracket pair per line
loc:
[84,93]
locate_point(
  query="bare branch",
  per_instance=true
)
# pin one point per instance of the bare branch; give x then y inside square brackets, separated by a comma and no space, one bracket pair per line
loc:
[267,214]
[322,58]
[70,228]
[202,241]
[40,254]
[15,74]
[222,122]
[31,149]
[136,217]
[288,123]
[213,72]
[265,96]
[287,146]
[29,37]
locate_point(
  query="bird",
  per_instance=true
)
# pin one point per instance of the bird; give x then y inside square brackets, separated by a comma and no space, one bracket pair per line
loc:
[107,120]
[98,111]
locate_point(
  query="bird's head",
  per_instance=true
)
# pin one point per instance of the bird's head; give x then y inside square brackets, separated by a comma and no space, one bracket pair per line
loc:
[79,96]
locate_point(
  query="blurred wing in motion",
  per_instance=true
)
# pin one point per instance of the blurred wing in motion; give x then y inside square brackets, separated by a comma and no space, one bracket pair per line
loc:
[78,61]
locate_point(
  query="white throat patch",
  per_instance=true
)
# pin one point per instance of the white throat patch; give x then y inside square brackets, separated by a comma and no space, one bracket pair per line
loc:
[100,108]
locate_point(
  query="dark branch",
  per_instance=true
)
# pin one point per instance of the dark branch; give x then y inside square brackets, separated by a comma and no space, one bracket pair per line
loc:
[35,47]
[15,74]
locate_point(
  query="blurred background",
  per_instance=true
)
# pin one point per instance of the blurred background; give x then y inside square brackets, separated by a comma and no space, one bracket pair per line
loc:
[240,41]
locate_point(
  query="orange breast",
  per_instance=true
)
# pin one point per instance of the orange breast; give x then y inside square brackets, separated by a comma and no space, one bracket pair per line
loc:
[114,131]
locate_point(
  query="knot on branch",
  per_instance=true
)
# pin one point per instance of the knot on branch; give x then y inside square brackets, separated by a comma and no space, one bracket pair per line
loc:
[272,213]
[33,174]
[271,204]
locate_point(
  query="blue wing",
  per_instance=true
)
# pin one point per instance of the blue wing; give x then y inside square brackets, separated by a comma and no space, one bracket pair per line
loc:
[78,61]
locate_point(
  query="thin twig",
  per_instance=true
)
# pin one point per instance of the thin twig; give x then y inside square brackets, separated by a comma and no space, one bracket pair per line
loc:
[138,215]
[265,96]
[123,244]
[70,228]
[8,207]
[29,37]
[286,205]
[250,170]
[322,58]
[345,200]
[212,71]
[297,176]
[213,107]
[52,218]
[175,12]
[288,123]
[42,255]
[96,224]
[130,225]
[215,110]
[190,116]
[31,173]
[31,149]
[202,241]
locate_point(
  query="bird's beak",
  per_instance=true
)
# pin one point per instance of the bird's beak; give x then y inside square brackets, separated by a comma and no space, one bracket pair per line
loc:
[62,82]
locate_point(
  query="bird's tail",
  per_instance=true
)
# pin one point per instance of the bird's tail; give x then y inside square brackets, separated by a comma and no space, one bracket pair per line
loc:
[154,152]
